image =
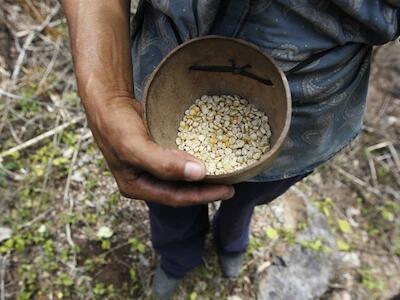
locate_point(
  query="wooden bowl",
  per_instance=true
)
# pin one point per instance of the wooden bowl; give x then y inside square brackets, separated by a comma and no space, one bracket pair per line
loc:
[180,79]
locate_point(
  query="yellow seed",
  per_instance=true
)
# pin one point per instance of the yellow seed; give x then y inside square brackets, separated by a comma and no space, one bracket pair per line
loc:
[224,129]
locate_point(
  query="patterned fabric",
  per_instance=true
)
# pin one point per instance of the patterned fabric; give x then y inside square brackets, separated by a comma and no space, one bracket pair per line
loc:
[329,94]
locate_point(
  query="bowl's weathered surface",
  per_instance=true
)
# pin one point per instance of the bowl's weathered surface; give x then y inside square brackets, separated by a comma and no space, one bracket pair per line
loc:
[172,88]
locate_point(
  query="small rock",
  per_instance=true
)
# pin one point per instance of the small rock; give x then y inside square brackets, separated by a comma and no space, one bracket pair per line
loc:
[68,152]
[348,279]
[352,211]
[315,178]
[104,232]
[77,177]
[5,233]
[356,163]
[364,236]
[263,266]
[393,120]
[86,158]
[350,259]
[202,286]
[42,229]
[144,261]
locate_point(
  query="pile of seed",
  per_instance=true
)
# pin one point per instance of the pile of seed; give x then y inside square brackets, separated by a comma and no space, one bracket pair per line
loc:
[226,132]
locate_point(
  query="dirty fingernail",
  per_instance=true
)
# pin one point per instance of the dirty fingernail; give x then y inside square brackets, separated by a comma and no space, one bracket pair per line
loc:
[193,171]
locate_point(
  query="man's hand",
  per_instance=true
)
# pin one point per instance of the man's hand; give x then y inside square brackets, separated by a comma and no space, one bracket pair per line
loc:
[99,33]
[132,156]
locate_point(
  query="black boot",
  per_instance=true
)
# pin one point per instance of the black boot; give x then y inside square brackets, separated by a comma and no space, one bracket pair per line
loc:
[164,285]
[231,264]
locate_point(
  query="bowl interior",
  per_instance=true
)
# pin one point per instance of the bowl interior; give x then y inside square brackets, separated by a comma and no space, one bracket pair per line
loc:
[172,88]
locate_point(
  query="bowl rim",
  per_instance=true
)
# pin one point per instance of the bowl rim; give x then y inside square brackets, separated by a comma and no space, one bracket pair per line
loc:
[282,137]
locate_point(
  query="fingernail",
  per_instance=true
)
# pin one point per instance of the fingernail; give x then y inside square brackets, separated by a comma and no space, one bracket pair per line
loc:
[230,194]
[193,171]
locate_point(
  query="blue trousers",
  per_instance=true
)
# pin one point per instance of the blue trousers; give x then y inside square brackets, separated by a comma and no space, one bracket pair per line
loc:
[178,234]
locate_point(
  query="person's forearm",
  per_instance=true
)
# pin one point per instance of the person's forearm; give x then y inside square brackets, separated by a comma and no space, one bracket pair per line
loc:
[100,40]
[99,34]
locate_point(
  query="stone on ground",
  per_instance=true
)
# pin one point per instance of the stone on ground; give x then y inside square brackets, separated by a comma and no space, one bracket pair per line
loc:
[300,273]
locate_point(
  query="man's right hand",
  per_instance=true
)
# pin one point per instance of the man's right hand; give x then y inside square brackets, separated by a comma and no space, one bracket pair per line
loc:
[100,40]
[143,169]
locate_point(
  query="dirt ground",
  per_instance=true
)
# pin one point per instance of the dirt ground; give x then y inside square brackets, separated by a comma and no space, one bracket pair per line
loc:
[74,237]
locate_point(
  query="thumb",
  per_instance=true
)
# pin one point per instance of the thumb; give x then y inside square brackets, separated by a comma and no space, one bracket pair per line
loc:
[171,164]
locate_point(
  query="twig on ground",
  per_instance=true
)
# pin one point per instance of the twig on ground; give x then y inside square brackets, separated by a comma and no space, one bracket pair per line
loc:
[49,68]
[121,262]
[13,175]
[70,200]
[41,137]
[337,286]
[372,169]
[392,158]
[393,192]
[21,57]
[382,109]
[14,76]
[117,247]
[356,180]
[4,72]
[10,95]
[395,156]
[37,15]
[37,218]
[13,133]
[34,100]
[19,115]
[56,140]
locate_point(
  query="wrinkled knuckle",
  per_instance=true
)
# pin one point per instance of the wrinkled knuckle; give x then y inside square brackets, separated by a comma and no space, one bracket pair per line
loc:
[123,189]
[179,198]
[196,198]
[174,199]
[125,152]
[124,193]
[168,168]
[183,200]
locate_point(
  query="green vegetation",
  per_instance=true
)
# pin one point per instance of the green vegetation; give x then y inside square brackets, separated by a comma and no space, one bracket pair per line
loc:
[74,237]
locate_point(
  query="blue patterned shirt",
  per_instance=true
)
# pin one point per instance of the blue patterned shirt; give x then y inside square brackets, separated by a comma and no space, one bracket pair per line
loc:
[329,94]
